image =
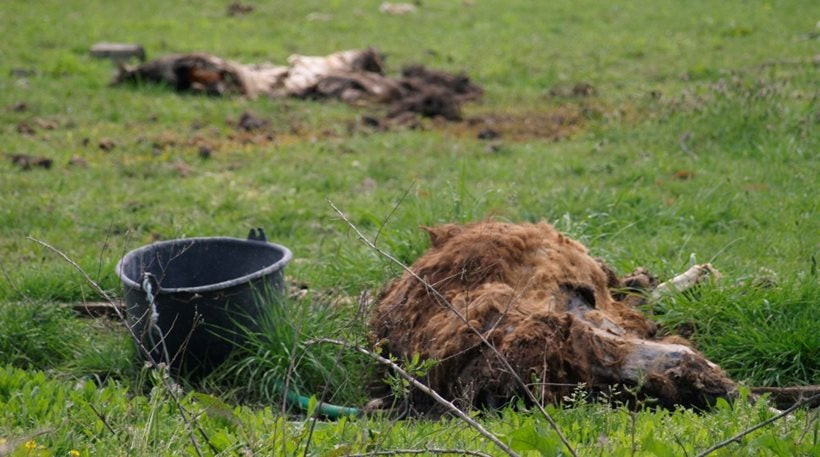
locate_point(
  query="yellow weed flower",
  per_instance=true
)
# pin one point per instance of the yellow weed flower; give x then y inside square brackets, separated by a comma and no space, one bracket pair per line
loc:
[30,445]
[2,441]
[74,453]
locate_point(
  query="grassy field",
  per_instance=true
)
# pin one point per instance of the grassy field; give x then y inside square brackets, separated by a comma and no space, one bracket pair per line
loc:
[700,140]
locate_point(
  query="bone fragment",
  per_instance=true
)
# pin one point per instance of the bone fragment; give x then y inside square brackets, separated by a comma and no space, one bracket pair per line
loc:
[118,51]
[686,280]
[397,9]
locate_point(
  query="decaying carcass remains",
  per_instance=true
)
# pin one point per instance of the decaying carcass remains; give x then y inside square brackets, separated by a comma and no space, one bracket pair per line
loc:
[559,316]
[350,76]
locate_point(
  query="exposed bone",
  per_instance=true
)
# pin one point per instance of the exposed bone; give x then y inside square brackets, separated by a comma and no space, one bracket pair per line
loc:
[118,51]
[397,9]
[686,280]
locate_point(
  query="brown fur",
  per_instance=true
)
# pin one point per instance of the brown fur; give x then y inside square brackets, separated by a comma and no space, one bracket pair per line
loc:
[541,299]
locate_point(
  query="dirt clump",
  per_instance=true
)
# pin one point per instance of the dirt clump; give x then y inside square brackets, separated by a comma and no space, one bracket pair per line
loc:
[684,175]
[106,144]
[488,134]
[250,122]
[580,89]
[555,313]
[24,128]
[27,162]
[19,106]
[238,9]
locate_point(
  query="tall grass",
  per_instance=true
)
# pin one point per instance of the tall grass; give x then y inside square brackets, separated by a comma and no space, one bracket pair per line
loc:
[762,334]
[279,353]
[48,336]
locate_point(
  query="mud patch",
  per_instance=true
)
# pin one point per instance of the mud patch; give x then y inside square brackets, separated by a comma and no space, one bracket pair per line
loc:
[555,313]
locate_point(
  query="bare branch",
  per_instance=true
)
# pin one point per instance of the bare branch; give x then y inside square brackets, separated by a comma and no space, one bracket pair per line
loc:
[444,302]
[395,207]
[766,422]
[424,388]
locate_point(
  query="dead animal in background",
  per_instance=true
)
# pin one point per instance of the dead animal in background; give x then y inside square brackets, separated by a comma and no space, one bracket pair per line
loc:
[350,76]
[559,316]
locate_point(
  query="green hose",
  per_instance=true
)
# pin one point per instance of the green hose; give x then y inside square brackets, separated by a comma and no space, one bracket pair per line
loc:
[322,408]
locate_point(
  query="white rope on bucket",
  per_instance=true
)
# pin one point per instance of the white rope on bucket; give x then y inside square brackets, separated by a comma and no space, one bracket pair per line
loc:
[153,317]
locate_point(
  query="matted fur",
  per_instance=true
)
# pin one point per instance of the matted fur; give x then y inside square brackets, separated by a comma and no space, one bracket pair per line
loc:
[547,306]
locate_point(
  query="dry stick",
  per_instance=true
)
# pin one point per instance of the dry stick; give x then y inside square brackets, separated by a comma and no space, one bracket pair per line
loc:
[168,387]
[102,418]
[461,317]
[766,422]
[429,450]
[395,207]
[424,388]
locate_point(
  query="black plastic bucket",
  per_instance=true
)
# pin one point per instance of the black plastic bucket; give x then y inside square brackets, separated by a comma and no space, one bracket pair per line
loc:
[206,293]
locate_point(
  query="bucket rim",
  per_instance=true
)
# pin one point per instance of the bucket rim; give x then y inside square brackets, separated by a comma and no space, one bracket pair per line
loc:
[287,255]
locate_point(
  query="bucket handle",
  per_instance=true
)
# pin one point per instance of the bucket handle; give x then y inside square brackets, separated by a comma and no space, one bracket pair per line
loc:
[257,234]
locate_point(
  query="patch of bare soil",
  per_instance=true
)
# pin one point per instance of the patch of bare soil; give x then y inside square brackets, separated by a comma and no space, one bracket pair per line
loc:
[559,316]
[552,124]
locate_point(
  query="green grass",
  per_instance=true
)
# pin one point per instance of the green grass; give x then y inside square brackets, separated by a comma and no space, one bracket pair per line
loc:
[49,336]
[281,349]
[723,93]
[137,425]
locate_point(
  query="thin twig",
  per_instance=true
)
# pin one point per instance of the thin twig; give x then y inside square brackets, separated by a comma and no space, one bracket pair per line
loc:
[11,283]
[102,418]
[395,207]
[766,422]
[443,301]
[424,388]
[682,447]
[429,450]
[168,384]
